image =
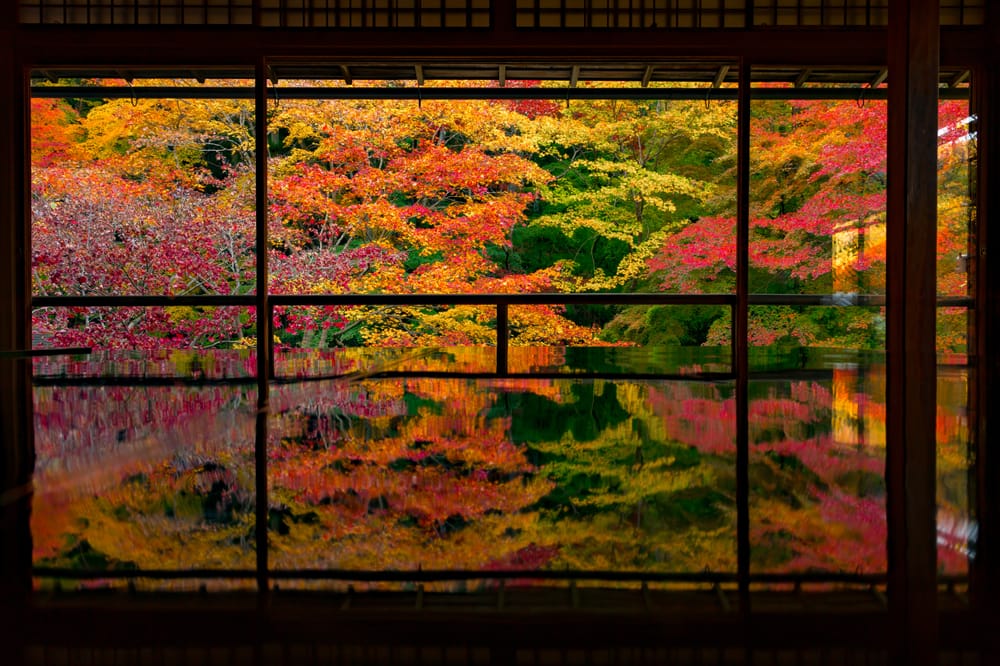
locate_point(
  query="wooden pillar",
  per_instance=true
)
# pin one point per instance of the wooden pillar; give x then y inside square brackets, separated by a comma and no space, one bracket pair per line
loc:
[16,448]
[913,55]
[986,565]
[17,458]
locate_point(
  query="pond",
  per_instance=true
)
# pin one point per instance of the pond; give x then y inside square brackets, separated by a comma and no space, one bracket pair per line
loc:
[148,462]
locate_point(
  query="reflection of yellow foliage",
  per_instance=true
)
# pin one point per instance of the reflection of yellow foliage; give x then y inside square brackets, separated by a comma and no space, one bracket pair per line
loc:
[858,416]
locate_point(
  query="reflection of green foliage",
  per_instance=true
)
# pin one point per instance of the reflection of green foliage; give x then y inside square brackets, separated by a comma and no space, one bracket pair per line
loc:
[585,418]
[775,546]
[861,483]
[568,492]
[416,403]
[692,508]
[81,555]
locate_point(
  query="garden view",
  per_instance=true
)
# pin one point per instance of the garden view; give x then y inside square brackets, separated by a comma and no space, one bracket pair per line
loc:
[146,446]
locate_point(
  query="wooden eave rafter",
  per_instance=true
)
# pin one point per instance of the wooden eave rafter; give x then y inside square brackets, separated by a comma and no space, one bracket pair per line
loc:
[720,76]
[711,72]
[959,78]
[647,76]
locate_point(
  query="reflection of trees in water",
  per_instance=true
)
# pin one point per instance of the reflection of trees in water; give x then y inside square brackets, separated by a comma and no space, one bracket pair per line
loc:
[453,473]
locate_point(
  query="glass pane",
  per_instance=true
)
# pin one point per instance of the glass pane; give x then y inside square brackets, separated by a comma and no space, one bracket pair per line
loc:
[657,339]
[817,463]
[200,342]
[506,196]
[957,254]
[953,335]
[817,197]
[957,527]
[142,196]
[144,447]
[503,474]
[956,210]
[790,337]
[133,477]
[330,341]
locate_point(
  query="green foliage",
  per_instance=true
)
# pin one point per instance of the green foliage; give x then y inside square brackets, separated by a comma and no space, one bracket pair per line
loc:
[666,325]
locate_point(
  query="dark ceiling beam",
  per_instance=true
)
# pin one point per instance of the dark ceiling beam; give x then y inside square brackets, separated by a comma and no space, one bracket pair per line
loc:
[66,44]
[43,45]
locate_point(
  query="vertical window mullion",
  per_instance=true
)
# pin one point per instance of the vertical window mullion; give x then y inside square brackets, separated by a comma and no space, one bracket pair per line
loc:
[503,339]
[740,340]
[976,350]
[983,569]
[263,322]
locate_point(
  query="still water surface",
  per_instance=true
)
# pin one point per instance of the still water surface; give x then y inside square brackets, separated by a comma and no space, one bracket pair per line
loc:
[147,462]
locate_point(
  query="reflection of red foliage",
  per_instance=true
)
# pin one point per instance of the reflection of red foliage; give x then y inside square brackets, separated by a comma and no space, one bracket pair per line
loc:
[528,558]
[359,459]
[828,526]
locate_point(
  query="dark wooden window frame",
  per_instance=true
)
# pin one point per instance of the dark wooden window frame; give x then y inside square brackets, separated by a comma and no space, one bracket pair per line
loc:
[27,48]
[265,301]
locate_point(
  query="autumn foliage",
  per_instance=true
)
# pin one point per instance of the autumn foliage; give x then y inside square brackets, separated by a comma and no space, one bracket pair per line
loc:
[156,197]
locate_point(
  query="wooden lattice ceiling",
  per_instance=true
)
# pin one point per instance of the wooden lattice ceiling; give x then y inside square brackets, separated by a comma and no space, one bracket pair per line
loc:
[539,14]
